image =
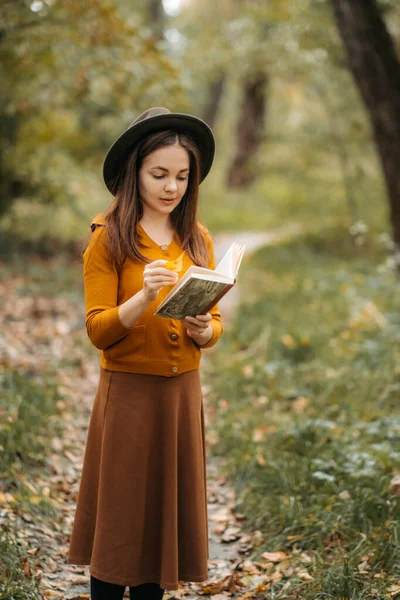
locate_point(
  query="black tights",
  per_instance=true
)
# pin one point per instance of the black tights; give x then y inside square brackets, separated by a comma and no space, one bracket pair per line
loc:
[103,590]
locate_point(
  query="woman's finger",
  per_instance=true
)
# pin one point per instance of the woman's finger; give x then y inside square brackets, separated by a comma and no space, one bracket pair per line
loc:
[198,321]
[157,263]
[159,271]
[161,278]
[195,327]
[159,285]
[201,318]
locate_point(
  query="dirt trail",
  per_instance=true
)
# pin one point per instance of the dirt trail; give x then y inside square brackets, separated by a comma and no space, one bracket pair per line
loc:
[49,540]
[252,240]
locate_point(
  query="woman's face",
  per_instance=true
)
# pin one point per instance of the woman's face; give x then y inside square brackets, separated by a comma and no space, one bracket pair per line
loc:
[163,179]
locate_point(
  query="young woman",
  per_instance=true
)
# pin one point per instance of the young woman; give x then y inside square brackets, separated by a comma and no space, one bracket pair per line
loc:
[141,515]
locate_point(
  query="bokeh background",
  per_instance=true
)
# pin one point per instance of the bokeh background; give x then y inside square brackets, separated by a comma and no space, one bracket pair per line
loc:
[272,78]
[303,390]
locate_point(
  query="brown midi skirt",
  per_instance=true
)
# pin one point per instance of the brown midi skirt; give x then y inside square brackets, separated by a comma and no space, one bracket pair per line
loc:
[141,513]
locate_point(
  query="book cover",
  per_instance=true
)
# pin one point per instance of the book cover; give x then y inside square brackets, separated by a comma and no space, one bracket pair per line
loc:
[200,289]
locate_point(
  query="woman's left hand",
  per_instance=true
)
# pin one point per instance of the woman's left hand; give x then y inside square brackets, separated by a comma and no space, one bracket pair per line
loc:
[198,327]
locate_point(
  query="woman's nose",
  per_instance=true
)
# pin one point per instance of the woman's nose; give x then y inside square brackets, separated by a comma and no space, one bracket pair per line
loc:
[171,185]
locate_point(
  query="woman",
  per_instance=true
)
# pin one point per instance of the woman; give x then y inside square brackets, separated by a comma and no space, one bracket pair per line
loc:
[141,515]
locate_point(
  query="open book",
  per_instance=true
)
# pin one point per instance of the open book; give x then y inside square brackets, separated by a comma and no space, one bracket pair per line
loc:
[199,289]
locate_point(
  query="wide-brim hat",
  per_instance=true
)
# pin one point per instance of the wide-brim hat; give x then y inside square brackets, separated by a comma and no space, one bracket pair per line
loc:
[155,119]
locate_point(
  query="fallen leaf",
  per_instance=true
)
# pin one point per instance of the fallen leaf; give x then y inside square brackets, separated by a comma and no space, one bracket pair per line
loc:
[231,534]
[304,575]
[274,556]
[394,485]
[249,567]
[52,594]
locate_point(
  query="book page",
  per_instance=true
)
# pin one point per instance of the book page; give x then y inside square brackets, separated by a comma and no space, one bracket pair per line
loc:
[225,265]
[239,258]
[230,262]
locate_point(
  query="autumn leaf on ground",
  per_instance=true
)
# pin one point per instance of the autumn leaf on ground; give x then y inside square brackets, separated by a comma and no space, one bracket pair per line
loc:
[274,556]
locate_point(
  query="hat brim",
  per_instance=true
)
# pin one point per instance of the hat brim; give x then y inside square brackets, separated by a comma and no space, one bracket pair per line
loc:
[123,145]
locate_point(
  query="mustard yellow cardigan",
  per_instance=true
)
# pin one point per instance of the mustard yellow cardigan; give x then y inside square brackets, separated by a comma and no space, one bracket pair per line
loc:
[154,345]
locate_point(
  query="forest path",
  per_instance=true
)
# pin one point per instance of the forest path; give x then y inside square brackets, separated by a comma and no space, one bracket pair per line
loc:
[252,240]
[228,545]
[229,571]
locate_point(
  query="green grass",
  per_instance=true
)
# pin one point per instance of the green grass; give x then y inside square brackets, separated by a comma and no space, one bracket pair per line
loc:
[307,387]
[29,417]
[16,581]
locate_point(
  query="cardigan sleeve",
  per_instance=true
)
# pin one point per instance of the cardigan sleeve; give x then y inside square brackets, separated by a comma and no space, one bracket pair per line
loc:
[103,324]
[216,322]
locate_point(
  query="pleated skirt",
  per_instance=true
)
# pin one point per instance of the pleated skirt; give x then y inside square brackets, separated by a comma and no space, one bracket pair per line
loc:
[141,513]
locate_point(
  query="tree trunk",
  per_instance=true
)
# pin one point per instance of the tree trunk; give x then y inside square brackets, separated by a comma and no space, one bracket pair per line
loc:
[215,92]
[157,18]
[376,69]
[249,130]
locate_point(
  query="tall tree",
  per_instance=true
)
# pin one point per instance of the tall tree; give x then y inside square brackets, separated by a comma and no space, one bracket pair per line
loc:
[214,97]
[376,69]
[249,129]
[157,17]
[254,87]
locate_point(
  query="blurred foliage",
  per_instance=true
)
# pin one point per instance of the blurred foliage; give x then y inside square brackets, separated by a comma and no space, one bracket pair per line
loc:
[317,138]
[71,74]
[76,74]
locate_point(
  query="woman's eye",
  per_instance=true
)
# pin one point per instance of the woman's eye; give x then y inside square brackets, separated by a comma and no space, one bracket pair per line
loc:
[161,176]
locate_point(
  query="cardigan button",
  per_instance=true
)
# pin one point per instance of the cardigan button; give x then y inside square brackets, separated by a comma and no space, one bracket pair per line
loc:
[174,336]
[164,247]
[174,369]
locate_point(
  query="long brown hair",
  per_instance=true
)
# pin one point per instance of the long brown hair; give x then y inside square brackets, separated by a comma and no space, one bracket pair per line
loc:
[122,216]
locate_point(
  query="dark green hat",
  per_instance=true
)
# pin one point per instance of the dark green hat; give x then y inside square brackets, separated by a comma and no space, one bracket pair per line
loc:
[156,119]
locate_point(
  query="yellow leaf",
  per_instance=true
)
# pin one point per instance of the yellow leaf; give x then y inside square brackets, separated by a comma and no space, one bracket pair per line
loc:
[288,341]
[175,265]
[7,497]
[258,434]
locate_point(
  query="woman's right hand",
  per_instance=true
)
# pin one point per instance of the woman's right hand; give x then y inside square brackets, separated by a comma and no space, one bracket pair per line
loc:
[156,276]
